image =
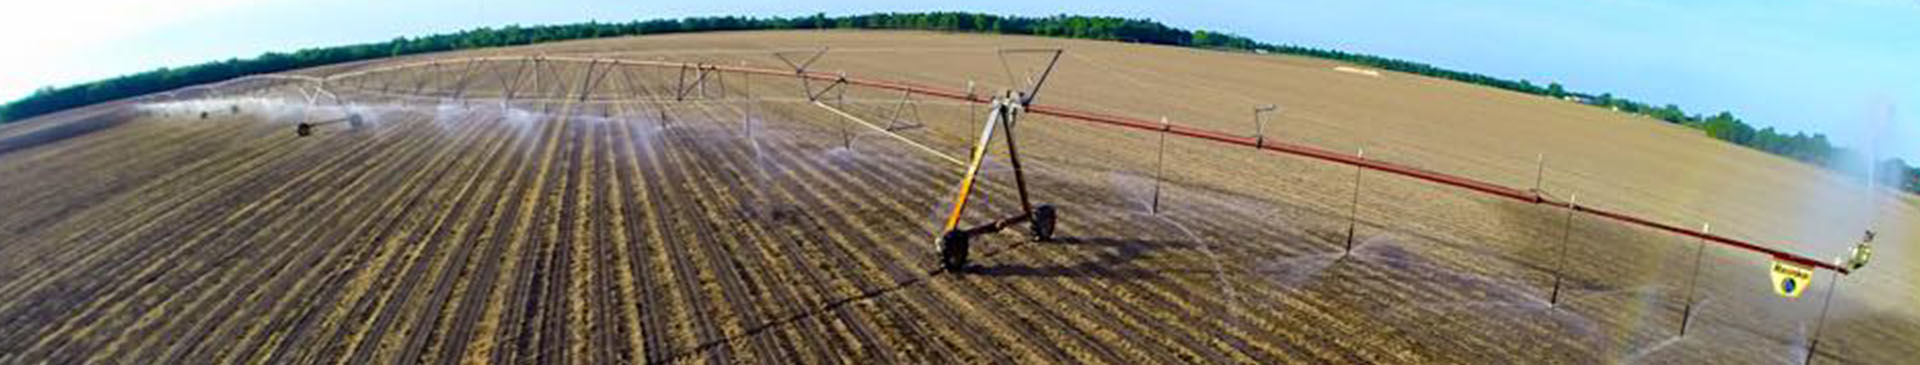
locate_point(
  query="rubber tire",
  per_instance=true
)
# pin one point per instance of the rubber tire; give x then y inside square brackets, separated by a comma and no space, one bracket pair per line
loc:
[953,250]
[1044,218]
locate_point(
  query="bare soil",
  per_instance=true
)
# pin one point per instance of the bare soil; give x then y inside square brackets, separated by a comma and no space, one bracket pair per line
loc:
[611,220]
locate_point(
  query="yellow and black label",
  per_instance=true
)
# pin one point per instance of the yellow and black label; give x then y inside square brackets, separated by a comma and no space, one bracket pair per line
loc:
[1789,280]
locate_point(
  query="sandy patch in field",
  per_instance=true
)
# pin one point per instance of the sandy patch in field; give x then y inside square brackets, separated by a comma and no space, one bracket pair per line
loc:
[1357,71]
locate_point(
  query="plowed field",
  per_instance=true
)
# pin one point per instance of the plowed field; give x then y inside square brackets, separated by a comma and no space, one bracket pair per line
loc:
[604,216]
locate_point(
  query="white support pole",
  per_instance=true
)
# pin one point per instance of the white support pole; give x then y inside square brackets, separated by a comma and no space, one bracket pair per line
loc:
[633,86]
[433,74]
[559,82]
[746,91]
[1539,172]
[700,81]
[466,77]
[1353,212]
[680,85]
[536,77]
[973,109]
[1560,262]
[1813,342]
[1260,128]
[1699,252]
[1159,163]
[840,98]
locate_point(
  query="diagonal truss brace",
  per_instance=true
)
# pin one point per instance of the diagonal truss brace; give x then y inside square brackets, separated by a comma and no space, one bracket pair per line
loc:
[508,86]
[899,120]
[592,82]
[806,83]
[466,77]
[1033,84]
[702,73]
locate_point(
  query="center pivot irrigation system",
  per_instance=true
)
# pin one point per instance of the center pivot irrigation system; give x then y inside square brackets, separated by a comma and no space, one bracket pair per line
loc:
[1006,110]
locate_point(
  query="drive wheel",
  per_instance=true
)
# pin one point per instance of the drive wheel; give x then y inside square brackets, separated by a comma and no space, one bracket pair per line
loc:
[1044,218]
[953,250]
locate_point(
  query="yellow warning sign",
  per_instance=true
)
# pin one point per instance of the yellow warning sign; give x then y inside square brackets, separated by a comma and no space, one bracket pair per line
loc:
[1789,280]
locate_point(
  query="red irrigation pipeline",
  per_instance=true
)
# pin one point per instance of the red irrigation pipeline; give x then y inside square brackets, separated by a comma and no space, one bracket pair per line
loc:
[1291,149]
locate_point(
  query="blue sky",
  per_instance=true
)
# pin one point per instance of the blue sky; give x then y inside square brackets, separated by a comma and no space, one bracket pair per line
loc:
[1819,66]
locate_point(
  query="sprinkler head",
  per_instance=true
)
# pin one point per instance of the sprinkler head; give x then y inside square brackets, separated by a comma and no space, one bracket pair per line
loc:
[953,250]
[1858,256]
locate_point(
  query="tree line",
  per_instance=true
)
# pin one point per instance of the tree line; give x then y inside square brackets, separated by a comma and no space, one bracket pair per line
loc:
[1814,149]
